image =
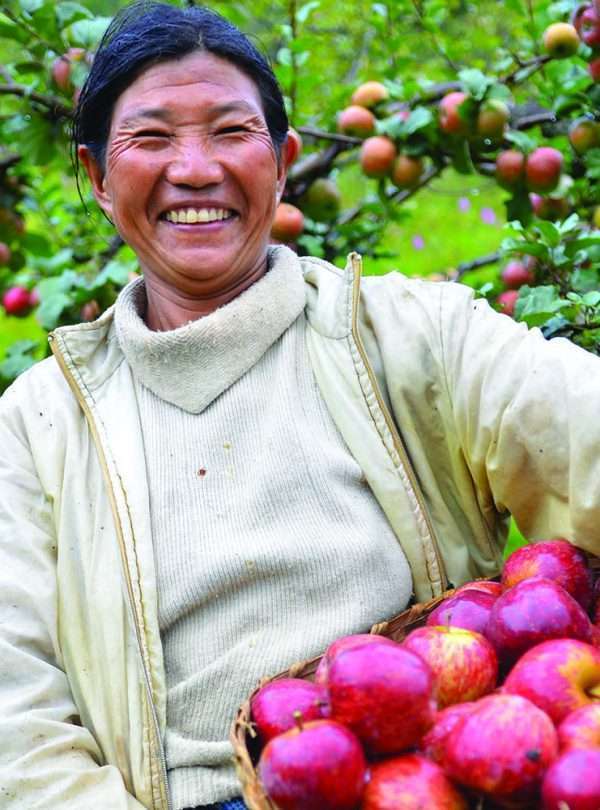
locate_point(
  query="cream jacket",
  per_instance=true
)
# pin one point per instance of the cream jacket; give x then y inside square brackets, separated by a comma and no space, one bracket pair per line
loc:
[456,414]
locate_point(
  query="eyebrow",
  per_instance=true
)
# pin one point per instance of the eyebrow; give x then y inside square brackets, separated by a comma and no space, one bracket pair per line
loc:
[164,114]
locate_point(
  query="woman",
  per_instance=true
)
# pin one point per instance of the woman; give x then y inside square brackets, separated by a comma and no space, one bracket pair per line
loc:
[243,459]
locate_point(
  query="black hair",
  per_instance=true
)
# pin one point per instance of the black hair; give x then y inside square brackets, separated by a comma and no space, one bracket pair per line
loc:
[147,32]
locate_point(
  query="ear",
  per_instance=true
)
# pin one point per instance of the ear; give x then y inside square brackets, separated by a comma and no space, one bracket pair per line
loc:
[290,149]
[96,175]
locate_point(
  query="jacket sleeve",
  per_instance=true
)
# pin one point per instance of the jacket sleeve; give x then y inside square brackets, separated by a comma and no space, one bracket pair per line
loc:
[47,759]
[526,412]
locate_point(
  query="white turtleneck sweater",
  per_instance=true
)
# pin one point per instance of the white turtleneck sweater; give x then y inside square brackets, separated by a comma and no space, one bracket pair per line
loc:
[268,542]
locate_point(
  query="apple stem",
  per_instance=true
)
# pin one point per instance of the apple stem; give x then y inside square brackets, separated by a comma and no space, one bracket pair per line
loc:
[298,718]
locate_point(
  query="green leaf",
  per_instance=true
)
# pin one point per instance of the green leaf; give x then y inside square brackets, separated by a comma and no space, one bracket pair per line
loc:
[88,33]
[549,232]
[419,118]
[18,358]
[31,6]
[475,82]
[524,143]
[51,308]
[115,271]
[591,299]
[536,305]
[305,11]
[68,12]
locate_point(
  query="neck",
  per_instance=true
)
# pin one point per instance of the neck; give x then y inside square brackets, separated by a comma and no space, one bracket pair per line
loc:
[169,308]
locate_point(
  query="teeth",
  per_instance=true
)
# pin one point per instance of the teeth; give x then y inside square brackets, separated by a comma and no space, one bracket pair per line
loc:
[189,216]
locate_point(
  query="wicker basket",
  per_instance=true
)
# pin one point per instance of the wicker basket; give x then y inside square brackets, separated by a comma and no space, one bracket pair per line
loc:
[242,735]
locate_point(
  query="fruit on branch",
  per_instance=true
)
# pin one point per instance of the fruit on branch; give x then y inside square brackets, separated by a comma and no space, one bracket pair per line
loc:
[384,694]
[581,728]
[318,764]
[377,156]
[515,274]
[507,302]
[464,663]
[549,208]
[5,253]
[561,40]
[492,119]
[369,94]
[584,134]
[406,171]
[559,676]
[589,27]
[410,782]
[533,611]
[17,301]
[501,747]
[451,122]
[542,169]
[322,200]
[510,168]
[594,69]
[356,120]
[555,559]
[90,310]
[288,223]
[572,782]
[274,707]
[61,73]
[345,643]
[469,609]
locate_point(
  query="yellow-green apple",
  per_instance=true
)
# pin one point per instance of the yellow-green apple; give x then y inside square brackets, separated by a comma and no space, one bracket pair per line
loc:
[345,643]
[356,120]
[5,253]
[515,274]
[464,663]
[322,200]
[288,223]
[492,118]
[510,168]
[589,27]
[501,747]
[369,94]
[507,301]
[377,156]
[561,40]
[581,728]
[411,782]
[596,217]
[469,609]
[484,585]
[533,611]
[584,134]
[275,706]
[16,301]
[434,742]
[572,782]
[555,559]
[451,121]
[319,765]
[542,169]
[406,171]
[384,693]
[559,676]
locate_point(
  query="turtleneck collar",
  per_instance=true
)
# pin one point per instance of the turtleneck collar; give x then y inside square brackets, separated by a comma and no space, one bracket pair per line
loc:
[192,365]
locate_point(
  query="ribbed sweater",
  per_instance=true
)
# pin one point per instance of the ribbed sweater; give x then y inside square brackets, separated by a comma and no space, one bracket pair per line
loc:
[268,542]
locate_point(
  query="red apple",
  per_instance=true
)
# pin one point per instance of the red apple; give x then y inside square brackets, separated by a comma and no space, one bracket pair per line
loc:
[515,274]
[16,301]
[356,120]
[61,72]
[510,168]
[584,134]
[559,676]
[411,782]
[561,40]
[369,94]
[581,728]
[589,27]
[433,744]
[464,663]
[406,171]
[318,766]
[384,694]
[549,208]
[346,643]
[594,69]
[542,169]
[483,585]
[451,121]
[533,611]
[275,706]
[507,302]
[288,223]
[90,310]
[572,782]
[377,156]
[595,608]
[492,119]
[469,609]
[501,747]
[555,559]
[5,253]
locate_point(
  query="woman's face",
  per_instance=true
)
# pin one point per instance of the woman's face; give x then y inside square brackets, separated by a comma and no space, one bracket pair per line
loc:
[192,179]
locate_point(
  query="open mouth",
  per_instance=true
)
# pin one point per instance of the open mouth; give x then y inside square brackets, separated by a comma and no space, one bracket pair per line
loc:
[193,216]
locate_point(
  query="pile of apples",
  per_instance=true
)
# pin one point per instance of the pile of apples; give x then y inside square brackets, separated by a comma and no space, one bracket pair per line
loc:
[493,702]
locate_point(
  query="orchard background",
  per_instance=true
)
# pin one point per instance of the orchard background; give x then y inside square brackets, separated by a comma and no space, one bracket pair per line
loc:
[470,153]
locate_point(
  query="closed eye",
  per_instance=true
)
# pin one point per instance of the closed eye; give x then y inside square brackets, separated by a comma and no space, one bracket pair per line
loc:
[232,129]
[151,133]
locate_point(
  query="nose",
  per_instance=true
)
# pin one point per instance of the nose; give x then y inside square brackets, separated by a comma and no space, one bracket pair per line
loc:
[194,164]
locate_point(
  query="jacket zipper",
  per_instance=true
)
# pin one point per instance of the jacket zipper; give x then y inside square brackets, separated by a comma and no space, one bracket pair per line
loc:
[356,264]
[138,630]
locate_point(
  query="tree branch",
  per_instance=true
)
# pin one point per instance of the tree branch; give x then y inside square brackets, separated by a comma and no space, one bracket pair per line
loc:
[51,103]
[475,264]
